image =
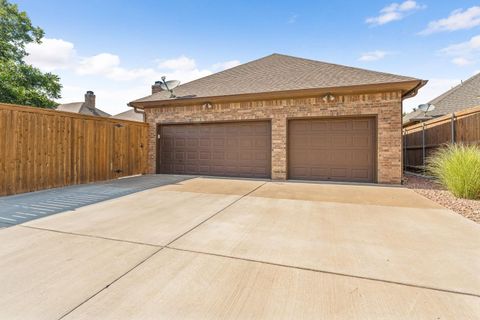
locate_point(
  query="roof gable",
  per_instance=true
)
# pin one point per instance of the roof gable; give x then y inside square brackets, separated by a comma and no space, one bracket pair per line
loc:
[276,73]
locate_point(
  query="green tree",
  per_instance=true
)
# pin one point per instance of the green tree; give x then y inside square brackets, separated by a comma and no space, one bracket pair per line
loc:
[21,83]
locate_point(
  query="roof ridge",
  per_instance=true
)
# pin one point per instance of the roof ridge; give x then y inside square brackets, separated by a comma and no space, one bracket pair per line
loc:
[340,65]
[294,57]
[224,70]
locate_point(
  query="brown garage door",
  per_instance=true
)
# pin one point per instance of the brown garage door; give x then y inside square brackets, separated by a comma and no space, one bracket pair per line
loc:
[338,149]
[240,149]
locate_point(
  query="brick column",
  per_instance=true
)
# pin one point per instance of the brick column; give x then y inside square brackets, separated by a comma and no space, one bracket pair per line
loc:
[152,142]
[279,147]
[390,144]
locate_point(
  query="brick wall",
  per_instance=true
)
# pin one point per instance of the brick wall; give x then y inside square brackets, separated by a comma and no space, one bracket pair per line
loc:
[386,106]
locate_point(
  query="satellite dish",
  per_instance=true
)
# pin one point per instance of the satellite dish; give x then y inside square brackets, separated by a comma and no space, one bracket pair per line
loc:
[426,107]
[169,86]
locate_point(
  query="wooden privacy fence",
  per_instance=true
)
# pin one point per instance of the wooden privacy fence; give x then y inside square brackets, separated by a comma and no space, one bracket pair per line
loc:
[422,139]
[41,149]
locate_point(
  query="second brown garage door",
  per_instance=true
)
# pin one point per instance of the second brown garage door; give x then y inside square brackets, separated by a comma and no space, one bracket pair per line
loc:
[336,149]
[239,149]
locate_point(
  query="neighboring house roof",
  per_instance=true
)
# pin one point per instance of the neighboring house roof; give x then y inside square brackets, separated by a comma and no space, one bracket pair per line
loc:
[87,107]
[70,107]
[276,73]
[463,96]
[79,107]
[129,115]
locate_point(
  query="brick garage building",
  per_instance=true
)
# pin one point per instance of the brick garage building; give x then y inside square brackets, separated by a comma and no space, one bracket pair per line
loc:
[281,117]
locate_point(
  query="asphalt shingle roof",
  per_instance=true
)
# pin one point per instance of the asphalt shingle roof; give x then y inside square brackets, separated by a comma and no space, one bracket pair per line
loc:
[79,107]
[129,115]
[274,73]
[463,96]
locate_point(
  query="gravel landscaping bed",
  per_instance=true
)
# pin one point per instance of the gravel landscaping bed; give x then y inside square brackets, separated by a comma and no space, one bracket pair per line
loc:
[430,189]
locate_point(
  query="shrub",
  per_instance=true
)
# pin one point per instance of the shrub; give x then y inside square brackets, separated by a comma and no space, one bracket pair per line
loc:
[457,167]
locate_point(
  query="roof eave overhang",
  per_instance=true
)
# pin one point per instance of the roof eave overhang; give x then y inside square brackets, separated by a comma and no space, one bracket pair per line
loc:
[413,92]
[408,89]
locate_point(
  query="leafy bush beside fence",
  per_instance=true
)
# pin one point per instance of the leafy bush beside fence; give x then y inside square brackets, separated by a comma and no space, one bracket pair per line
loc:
[457,167]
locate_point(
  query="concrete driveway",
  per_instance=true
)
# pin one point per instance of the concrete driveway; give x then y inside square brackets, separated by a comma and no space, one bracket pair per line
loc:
[224,248]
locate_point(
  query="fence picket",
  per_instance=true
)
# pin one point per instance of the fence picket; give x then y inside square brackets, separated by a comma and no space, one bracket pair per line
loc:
[42,149]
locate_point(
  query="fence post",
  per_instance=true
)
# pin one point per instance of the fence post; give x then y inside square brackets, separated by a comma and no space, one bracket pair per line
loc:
[453,127]
[423,145]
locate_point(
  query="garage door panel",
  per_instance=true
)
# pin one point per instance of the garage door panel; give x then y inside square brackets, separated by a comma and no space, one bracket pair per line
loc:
[233,149]
[204,142]
[192,156]
[261,156]
[261,144]
[262,130]
[361,141]
[340,125]
[319,172]
[203,155]
[179,142]
[246,142]
[361,124]
[315,143]
[341,140]
[360,173]
[192,143]
[317,126]
[332,149]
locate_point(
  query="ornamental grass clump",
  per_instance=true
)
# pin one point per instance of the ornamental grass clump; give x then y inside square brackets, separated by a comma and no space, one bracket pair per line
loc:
[457,167]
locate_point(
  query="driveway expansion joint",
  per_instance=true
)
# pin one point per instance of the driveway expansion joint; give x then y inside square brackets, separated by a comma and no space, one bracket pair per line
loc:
[160,248]
[112,282]
[90,236]
[216,213]
[326,272]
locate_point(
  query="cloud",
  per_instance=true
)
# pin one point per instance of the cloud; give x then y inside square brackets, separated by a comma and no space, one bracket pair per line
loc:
[51,54]
[394,12]
[373,55]
[181,68]
[461,61]
[457,20]
[98,64]
[225,65]
[180,63]
[185,69]
[58,54]
[108,65]
[464,52]
[293,18]
[431,90]
[81,73]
